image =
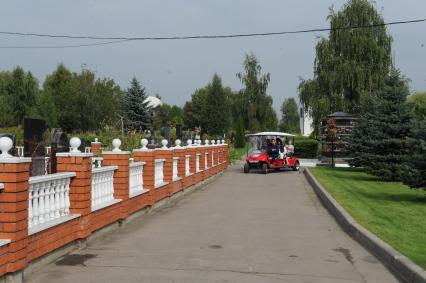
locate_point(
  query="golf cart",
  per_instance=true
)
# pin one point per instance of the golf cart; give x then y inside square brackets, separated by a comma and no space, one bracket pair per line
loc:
[261,153]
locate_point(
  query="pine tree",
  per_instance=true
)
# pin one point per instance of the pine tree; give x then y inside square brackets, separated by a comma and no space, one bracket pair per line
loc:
[379,139]
[240,139]
[216,111]
[135,106]
[415,174]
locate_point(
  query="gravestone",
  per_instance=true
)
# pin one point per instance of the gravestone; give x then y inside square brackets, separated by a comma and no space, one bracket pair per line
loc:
[59,143]
[179,131]
[35,145]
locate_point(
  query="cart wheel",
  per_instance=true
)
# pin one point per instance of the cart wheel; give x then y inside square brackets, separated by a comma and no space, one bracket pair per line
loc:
[246,168]
[264,168]
[296,166]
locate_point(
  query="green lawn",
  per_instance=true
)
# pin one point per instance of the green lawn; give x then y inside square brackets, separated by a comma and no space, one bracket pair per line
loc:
[236,153]
[390,210]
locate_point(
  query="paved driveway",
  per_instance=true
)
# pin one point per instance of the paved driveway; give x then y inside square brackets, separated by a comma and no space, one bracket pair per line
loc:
[240,228]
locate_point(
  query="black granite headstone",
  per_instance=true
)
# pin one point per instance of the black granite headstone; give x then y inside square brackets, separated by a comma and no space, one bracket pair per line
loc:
[179,131]
[59,143]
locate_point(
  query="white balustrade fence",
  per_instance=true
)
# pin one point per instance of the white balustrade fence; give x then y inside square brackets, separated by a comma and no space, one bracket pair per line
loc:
[49,198]
[20,151]
[175,168]
[187,159]
[159,172]
[102,186]
[135,177]
[197,162]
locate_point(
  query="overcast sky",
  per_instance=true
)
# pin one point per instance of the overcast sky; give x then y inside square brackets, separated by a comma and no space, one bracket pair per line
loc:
[174,69]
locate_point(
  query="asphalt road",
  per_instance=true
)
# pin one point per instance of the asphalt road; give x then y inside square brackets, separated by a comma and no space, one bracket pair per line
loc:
[239,228]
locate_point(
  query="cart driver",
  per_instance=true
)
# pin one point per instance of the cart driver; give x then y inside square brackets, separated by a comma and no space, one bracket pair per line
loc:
[274,149]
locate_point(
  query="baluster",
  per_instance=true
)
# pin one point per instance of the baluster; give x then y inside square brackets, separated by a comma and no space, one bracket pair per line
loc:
[62,189]
[41,205]
[30,206]
[67,197]
[52,206]
[57,192]
[36,209]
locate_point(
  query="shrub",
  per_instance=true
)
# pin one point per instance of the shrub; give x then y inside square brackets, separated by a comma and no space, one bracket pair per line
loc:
[306,148]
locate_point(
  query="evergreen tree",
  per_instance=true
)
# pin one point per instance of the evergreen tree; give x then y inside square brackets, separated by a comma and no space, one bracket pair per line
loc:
[240,139]
[22,90]
[136,107]
[415,167]
[193,110]
[290,120]
[379,139]
[217,110]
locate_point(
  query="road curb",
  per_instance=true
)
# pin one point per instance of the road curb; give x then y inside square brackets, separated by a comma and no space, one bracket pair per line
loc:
[406,270]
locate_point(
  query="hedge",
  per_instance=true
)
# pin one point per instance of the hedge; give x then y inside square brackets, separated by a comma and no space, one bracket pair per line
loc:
[306,148]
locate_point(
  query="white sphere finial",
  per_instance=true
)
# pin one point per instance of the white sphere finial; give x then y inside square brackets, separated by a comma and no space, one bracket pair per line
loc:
[116,143]
[178,143]
[6,144]
[75,144]
[189,142]
[96,140]
[199,142]
[164,142]
[223,141]
[206,142]
[144,143]
[218,142]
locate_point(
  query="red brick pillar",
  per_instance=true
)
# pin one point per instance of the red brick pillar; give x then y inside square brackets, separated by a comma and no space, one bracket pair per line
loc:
[14,174]
[121,159]
[80,186]
[201,150]
[96,148]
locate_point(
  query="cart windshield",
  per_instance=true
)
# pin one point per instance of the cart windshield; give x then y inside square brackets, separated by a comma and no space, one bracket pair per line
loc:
[258,144]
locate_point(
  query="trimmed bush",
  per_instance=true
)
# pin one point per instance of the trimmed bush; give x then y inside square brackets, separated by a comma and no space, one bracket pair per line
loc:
[306,148]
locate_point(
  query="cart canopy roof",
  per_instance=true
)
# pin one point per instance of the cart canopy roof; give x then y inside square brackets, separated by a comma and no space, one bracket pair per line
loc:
[280,134]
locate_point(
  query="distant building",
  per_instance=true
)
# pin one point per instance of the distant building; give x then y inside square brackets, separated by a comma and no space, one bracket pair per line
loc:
[344,124]
[153,102]
[305,123]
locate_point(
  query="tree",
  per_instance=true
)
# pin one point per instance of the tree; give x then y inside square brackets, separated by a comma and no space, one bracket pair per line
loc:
[256,105]
[22,90]
[62,88]
[194,109]
[415,167]
[240,139]
[176,115]
[290,120]
[136,107]
[216,109]
[417,103]
[350,64]
[379,139]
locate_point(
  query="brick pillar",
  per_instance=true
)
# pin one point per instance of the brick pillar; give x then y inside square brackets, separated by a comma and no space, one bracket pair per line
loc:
[14,174]
[201,150]
[96,148]
[147,156]
[80,186]
[120,159]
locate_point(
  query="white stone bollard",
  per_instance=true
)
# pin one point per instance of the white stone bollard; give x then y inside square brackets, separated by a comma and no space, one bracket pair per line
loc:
[75,144]
[116,143]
